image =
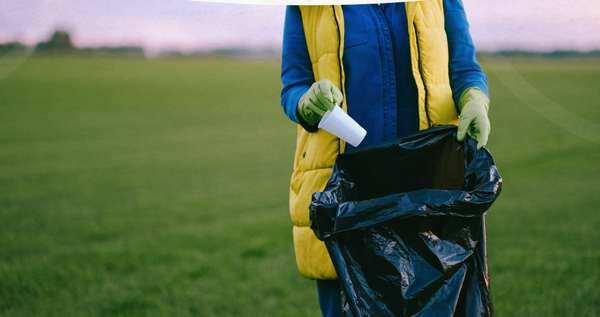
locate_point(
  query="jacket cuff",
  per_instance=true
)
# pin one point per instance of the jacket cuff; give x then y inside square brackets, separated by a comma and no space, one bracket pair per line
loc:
[460,90]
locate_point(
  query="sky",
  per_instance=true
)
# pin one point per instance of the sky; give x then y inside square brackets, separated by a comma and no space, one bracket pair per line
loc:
[187,25]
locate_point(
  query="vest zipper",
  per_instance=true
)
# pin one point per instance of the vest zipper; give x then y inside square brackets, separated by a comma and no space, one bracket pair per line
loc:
[421,75]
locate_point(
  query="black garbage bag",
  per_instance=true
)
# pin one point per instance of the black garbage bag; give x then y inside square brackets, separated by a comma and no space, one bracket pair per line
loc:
[404,225]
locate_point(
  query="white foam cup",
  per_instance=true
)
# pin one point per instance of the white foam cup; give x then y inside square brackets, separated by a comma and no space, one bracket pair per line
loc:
[340,124]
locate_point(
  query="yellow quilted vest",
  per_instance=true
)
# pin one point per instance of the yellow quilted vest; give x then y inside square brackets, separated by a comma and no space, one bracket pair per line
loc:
[316,152]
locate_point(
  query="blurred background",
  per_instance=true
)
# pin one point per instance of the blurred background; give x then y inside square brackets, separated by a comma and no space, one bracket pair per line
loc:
[145,160]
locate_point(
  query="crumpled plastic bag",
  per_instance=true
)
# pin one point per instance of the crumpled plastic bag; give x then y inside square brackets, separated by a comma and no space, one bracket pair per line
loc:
[404,225]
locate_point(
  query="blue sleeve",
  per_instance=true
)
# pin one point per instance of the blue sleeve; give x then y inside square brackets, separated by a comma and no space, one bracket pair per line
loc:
[296,69]
[465,71]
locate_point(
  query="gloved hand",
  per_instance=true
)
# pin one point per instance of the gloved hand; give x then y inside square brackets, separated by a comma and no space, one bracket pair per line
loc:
[320,98]
[473,106]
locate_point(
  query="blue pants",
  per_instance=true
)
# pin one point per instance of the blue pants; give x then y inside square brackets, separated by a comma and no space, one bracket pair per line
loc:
[330,298]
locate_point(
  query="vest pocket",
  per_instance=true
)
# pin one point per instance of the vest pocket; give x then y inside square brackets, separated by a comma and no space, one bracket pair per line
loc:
[319,151]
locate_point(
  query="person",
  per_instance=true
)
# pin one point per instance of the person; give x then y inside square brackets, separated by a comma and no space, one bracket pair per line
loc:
[396,69]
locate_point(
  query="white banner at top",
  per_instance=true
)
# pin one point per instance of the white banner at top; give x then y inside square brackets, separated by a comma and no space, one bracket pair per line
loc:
[303,2]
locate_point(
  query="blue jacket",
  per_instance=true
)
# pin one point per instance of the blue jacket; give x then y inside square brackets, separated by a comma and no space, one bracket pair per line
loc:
[377,66]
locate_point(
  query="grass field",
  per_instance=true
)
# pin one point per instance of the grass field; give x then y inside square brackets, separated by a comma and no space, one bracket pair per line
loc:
[133,187]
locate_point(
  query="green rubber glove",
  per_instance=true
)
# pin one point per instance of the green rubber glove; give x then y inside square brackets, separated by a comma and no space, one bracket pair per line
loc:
[320,98]
[473,106]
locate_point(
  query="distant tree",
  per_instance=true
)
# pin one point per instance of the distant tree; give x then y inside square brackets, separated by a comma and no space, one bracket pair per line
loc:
[59,41]
[13,48]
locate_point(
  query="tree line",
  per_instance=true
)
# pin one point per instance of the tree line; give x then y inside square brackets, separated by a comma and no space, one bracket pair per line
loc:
[60,42]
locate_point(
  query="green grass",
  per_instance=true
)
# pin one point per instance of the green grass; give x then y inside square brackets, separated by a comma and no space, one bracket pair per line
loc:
[134,187]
